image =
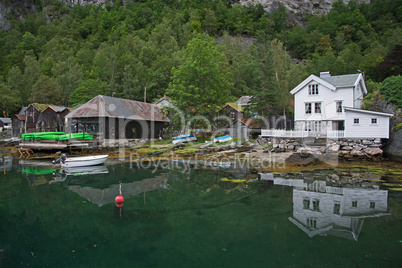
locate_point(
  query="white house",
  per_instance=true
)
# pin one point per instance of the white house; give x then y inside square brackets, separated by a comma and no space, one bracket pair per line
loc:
[330,106]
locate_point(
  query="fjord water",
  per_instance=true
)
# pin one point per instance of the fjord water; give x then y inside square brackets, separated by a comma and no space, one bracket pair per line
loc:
[181,216]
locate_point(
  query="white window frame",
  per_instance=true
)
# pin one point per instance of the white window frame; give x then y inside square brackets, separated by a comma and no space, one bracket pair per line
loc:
[313,89]
[317,105]
[308,108]
[339,107]
[375,119]
[356,121]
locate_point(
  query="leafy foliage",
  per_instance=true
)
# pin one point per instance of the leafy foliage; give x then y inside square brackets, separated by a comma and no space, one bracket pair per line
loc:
[391,89]
[201,83]
[130,51]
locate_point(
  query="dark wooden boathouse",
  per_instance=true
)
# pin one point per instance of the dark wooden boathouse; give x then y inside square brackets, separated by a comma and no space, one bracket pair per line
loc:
[52,119]
[109,118]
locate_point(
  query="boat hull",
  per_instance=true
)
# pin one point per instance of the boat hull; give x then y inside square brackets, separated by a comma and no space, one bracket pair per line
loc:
[84,161]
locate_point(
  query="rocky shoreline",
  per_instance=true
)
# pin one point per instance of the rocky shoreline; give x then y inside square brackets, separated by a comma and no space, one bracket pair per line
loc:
[369,149]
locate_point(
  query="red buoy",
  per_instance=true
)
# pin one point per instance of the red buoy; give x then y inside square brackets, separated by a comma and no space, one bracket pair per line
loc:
[119,199]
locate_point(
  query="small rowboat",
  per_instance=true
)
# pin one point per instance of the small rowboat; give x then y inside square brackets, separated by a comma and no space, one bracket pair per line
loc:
[82,161]
[183,138]
[223,139]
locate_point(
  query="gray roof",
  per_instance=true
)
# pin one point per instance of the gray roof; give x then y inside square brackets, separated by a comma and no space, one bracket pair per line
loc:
[342,80]
[5,120]
[58,108]
[243,100]
[22,111]
[105,106]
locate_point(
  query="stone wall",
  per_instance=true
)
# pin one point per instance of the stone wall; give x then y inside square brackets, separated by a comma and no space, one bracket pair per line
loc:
[369,148]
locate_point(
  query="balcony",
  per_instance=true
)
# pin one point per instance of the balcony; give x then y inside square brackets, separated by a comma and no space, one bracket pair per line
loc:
[281,133]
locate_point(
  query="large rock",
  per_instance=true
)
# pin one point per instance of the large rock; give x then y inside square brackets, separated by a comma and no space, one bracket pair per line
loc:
[301,159]
[373,152]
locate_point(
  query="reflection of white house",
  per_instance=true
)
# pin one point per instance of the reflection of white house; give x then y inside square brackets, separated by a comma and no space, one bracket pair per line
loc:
[330,106]
[319,209]
[322,210]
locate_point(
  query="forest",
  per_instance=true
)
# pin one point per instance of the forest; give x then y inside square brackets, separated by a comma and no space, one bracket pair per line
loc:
[202,54]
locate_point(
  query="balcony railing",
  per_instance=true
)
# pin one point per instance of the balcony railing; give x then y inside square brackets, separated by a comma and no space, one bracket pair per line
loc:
[281,133]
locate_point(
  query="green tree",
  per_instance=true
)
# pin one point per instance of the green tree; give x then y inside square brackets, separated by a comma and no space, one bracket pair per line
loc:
[68,76]
[282,64]
[31,75]
[201,83]
[46,91]
[391,89]
[265,99]
[86,91]
[9,103]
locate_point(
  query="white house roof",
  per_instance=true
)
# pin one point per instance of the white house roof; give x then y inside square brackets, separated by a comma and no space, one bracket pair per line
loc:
[313,78]
[332,82]
[367,112]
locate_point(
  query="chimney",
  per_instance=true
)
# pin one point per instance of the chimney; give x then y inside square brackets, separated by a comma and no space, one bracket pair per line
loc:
[325,74]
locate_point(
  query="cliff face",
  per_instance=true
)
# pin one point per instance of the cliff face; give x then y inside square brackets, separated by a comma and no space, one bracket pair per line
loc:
[297,8]
[23,7]
[304,7]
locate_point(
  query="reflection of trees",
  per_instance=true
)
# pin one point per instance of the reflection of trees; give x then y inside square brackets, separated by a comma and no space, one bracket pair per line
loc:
[319,209]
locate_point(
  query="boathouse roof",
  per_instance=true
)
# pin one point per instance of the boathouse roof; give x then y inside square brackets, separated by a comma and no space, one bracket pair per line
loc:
[106,106]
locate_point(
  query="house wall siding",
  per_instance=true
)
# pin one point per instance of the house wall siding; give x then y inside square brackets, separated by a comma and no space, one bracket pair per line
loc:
[365,129]
[327,98]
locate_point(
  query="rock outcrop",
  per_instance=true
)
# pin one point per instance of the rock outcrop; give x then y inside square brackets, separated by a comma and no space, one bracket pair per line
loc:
[304,7]
[297,9]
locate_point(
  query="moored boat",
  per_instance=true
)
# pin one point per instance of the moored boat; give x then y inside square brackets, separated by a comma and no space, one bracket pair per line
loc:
[36,136]
[75,136]
[82,161]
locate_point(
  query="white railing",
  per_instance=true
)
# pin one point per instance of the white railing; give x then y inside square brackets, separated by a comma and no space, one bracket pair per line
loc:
[334,190]
[281,133]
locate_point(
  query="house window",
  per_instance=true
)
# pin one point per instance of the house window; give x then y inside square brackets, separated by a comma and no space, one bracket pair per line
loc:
[374,121]
[339,106]
[354,204]
[308,108]
[372,204]
[233,115]
[317,108]
[312,223]
[317,126]
[337,208]
[312,126]
[316,205]
[356,121]
[306,203]
[313,89]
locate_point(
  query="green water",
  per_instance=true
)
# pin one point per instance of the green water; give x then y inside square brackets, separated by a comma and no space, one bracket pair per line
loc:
[182,217]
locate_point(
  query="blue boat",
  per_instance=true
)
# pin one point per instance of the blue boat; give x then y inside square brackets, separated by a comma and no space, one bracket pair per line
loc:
[183,138]
[223,139]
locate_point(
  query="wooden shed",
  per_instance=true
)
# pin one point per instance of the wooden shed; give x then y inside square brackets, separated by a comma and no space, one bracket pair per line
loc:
[19,123]
[109,118]
[32,115]
[52,119]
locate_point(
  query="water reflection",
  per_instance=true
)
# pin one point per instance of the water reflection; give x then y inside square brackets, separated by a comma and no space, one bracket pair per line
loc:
[319,209]
[107,195]
[6,163]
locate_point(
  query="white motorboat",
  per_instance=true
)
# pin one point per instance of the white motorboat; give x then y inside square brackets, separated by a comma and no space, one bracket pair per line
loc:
[82,161]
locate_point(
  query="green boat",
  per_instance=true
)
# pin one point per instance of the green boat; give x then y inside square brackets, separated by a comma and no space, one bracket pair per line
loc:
[75,136]
[36,136]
